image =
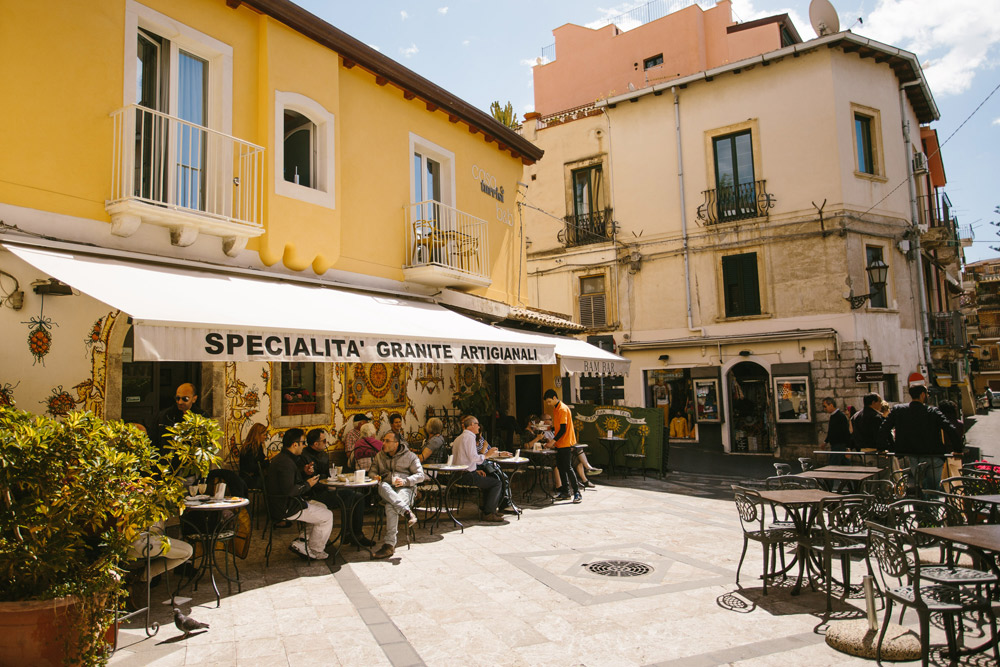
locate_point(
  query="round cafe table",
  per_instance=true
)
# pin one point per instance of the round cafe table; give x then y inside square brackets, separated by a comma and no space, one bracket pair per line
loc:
[512,465]
[454,473]
[206,531]
[347,528]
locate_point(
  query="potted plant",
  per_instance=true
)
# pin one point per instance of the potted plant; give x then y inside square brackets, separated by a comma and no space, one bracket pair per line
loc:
[299,402]
[74,495]
[475,401]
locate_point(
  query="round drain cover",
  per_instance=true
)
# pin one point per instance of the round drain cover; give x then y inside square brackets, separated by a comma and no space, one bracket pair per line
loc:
[619,568]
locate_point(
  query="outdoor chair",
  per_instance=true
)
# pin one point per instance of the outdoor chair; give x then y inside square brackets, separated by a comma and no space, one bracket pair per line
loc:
[970,485]
[806,463]
[635,459]
[772,539]
[139,571]
[882,493]
[270,521]
[969,510]
[403,526]
[782,469]
[790,482]
[898,575]
[841,534]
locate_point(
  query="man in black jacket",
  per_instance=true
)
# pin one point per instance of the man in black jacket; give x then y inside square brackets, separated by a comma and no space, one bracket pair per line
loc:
[185,397]
[867,422]
[316,461]
[286,491]
[918,428]
[838,434]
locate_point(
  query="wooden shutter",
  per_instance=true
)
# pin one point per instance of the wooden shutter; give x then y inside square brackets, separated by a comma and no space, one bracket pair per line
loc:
[741,289]
[592,310]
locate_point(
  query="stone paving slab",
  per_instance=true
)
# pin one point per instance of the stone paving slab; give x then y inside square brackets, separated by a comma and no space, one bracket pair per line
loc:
[518,594]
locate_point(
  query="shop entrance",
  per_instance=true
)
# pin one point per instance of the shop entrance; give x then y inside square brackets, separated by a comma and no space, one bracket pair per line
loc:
[671,392]
[528,397]
[148,386]
[750,408]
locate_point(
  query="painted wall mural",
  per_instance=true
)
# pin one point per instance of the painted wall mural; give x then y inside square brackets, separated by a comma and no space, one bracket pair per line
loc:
[90,392]
[40,335]
[375,386]
[429,377]
[7,393]
[242,403]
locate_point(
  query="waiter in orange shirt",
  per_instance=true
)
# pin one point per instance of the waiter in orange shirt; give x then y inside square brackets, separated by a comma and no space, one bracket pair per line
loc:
[565,438]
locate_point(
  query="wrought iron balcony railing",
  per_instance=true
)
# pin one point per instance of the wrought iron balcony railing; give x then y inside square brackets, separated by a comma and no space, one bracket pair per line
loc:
[988,332]
[947,329]
[587,228]
[737,202]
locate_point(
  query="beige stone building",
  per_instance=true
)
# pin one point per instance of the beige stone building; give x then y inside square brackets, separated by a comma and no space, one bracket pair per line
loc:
[716,223]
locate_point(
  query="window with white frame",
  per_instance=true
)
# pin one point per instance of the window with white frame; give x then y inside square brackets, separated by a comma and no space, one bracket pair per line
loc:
[867,142]
[303,149]
[432,185]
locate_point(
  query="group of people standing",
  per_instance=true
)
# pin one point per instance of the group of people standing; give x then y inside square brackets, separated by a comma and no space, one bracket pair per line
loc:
[923,433]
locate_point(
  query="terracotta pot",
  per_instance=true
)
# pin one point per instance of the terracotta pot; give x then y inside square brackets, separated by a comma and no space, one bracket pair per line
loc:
[300,408]
[33,632]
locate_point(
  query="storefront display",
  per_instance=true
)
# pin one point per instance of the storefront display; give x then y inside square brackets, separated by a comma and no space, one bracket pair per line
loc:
[794,399]
[671,392]
[707,401]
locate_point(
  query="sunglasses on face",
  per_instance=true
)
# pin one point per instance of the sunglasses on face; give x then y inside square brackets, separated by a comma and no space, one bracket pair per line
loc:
[184,399]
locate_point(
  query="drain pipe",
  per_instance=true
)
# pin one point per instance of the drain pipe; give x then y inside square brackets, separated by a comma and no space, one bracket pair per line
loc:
[684,231]
[915,227]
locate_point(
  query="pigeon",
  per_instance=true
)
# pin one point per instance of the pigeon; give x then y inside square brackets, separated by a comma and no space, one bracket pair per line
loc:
[186,624]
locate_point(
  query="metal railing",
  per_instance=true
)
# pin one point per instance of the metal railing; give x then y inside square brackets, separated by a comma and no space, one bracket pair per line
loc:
[737,202]
[587,228]
[441,235]
[989,366]
[989,332]
[165,161]
[947,329]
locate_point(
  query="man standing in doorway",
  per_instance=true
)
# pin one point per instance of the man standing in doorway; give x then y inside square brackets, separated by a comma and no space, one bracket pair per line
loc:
[185,397]
[918,436]
[838,434]
[565,438]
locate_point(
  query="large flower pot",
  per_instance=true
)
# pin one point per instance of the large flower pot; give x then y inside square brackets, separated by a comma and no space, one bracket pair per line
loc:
[34,632]
[300,408]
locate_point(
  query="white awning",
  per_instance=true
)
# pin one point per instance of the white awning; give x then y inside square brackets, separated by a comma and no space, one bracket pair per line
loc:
[578,356]
[182,313]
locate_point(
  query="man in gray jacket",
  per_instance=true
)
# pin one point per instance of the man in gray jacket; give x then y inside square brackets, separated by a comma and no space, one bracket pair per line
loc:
[399,472]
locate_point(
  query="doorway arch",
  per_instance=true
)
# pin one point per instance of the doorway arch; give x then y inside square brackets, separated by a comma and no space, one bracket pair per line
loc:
[750,402]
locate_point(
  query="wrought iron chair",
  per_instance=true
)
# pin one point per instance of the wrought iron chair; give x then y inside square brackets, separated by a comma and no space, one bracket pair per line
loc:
[269,524]
[772,539]
[882,493]
[806,463]
[782,469]
[898,575]
[841,533]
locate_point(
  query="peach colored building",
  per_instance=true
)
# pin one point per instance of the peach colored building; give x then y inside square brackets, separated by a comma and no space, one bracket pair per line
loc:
[687,41]
[719,224]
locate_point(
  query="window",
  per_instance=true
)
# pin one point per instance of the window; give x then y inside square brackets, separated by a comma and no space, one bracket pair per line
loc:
[655,61]
[432,183]
[298,388]
[736,196]
[589,222]
[867,143]
[300,149]
[863,139]
[303,150]
[878,299]
[593,302]
[300,394]
[793,399]
[741,290]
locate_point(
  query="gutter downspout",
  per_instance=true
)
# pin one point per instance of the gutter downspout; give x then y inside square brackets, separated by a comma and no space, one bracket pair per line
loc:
[684,232]
[915,227]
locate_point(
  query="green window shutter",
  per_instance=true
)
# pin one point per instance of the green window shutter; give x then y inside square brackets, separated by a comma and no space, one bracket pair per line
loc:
[751,287]
[741,287]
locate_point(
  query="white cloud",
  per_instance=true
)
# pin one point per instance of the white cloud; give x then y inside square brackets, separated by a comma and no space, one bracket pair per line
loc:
[442,10]
[953,40]
[409,51]
[403,15]
[996,121]
[466,42]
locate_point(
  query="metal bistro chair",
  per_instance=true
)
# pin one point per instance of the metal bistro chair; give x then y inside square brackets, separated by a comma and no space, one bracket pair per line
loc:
[895,567]
[782,469]
[772,539]
[806,464]
[882,494]
[841,534]
[269,522]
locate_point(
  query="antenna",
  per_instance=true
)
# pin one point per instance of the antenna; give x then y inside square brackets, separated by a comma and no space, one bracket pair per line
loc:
[823,17]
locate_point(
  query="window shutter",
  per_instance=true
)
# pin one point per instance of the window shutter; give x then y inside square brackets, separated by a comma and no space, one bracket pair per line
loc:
[592,310]
[751,288]
[741,288]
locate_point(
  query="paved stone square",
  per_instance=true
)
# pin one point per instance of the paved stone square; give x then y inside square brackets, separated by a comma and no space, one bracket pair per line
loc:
[522,594]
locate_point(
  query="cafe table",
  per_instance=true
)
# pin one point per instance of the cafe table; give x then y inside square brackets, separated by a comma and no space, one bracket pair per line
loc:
[216,521]
[802,506]
[611,444]
[512,465]
[851,475]
[363,488]
[993,500]
[454,473]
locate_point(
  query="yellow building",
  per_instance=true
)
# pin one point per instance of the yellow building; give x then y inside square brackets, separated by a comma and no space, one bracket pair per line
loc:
[241,195]
[720,224]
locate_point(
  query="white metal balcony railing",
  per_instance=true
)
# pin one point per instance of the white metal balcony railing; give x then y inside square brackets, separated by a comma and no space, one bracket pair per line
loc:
[170,163]
[443,236]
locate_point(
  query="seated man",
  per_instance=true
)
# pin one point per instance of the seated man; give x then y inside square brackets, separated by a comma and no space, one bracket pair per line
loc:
[399,472]
[165,554]
[316,461]
[464,451]
[286,489]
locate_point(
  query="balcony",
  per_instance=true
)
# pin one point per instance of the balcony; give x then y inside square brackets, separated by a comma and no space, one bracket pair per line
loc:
[947,330]
[988,332]
[989,366]
[738,202]
[588,228]
[188,178]
[445,247]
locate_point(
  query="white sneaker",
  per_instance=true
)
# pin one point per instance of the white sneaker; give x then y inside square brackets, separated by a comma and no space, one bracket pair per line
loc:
[322,555]
[299,547]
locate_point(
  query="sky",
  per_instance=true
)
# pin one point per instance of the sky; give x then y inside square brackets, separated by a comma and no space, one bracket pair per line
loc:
[483,51]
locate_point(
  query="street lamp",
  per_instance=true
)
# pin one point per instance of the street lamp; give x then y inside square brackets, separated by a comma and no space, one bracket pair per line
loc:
[878,273]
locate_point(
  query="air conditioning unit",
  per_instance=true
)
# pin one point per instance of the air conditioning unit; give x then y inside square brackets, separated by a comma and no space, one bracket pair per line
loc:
[919,164]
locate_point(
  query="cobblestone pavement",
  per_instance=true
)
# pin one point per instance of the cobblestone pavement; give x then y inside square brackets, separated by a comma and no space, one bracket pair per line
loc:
[519,594]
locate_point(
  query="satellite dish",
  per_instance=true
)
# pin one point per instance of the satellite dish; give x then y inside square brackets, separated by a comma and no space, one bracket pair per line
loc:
[823,17]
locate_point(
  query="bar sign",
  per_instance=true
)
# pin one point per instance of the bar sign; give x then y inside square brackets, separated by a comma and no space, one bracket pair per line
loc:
[868,371]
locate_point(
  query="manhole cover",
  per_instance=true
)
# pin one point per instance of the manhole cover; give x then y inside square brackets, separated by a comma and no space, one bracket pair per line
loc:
[619,568]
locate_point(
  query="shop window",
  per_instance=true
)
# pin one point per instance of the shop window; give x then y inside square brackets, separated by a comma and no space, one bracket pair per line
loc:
[300,394]
[654,61]
[298,388]
[793,402]
[672,392]
[867,142]
[740,285]
[303,152]
[878,299]
[593,300]
[706,397]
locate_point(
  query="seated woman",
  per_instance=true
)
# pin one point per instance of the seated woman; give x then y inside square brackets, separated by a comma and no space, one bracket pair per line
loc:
[582,466]
[433,449]
[365,448]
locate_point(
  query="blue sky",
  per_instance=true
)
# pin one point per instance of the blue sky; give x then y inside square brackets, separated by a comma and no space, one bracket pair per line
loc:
[482,51]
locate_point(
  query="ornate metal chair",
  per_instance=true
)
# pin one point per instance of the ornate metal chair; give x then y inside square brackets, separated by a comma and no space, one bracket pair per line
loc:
[772,539]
